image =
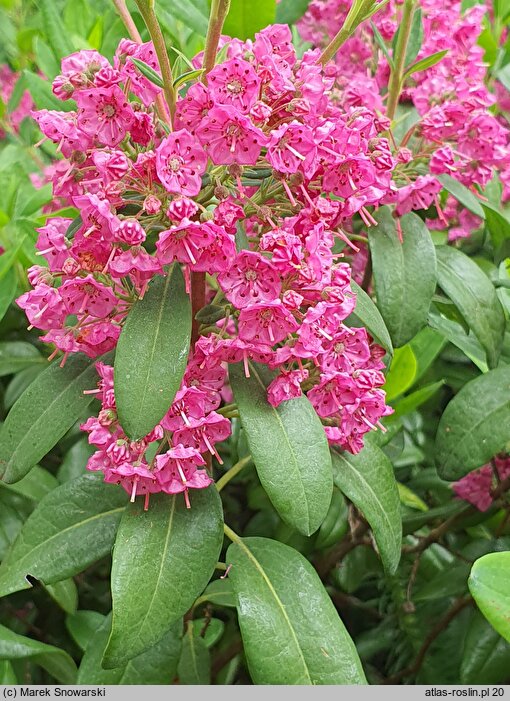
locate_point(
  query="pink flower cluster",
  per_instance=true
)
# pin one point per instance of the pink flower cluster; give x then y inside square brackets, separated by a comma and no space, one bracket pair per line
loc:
[8,79]
[256,185]
[454,131]
[476,487]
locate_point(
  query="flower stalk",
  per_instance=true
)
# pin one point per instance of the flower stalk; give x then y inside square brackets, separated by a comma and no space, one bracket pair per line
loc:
[398,68]
[219,11]
[146,8]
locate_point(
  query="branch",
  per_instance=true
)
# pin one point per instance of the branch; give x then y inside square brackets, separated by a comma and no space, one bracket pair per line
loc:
[219,11]
[440,626]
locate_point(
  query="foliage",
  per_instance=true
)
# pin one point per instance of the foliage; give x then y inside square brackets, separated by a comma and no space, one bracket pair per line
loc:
[363,547]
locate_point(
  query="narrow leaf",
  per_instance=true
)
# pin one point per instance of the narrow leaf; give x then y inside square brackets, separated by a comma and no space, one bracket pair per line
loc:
[65,593]
[195,662]
[58,37]
[474,296]
[369,316]
[8,287]
[147,71]
[401,373]
[18,355]
[486,655]
[497,224]
[488,583]
[83,625]
[291,631]
[162,560]
[187,77]
[425,63]
[367,479]
[72,527]
[44,413]
[152,353]
[415,37]
[55,661]
[404,273]
[475,425]
[156,666]
[290,11]
[289,448]
[461,193]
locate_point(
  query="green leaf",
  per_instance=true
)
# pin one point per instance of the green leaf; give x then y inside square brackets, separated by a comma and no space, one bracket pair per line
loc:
[75,460]
[195,662]
[209,629]
[486,656]
[152,353]
[426,346]
[475,425]
[8,287]
[18,355]
[410,403]
[291,631]
[461,193]
[381,44]
[367,479]
[401,374]
[7,674]
[369,316]
[193,14]
[290,11]
[35,486]
[404,273]
[65,594]
[41,94]
[147,71]
[451,581]
[53,27]
[425,63]
[415,38]
[246,17]
[158,665]
[72,527]
[162,560]
[488,583]
[44,413]
[187,77]
[497,224]
[455,333]
[218,592]
[45,58]
[83,625]
[410,499]
[336,523]
[55,661]
[474,296]
[289,448]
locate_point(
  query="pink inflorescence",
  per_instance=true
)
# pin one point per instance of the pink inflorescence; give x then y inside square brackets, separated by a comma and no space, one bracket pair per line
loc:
[458,134]
[476,487]
[262,152]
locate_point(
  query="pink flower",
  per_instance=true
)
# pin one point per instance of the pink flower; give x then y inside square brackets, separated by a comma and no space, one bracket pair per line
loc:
[230,137]
[266,324]
[251,279]
[176,471]
[180,161]
[104,114]
[139,84]
[234,83]
[291,148]
[183,243]
[44,307]
[87,296]
[204,433]
[286,386]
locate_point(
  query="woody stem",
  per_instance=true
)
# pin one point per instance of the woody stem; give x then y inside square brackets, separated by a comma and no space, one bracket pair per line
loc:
[146,8]
[125,16]
[219,11]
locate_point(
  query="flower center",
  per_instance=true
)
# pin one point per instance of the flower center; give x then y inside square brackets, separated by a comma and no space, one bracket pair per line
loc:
[108,111]
[250,275]
[234,87]
[174,163]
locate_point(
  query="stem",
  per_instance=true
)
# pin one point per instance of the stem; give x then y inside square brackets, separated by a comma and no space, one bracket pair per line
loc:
[231,535]
[397,72]
[359,12]
[146,8]
[125,16]
[219,11]
[235,470]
